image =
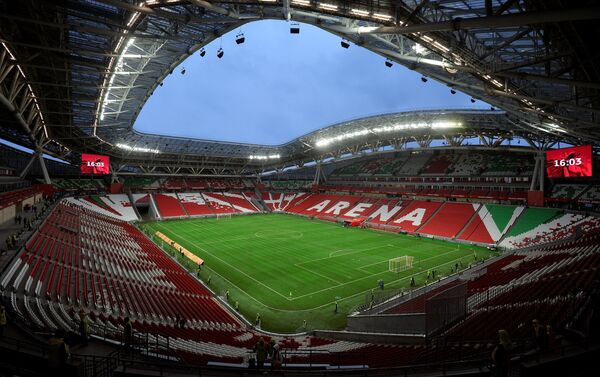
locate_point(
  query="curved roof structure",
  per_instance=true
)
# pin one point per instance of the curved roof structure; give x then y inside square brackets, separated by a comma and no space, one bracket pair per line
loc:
[75,74]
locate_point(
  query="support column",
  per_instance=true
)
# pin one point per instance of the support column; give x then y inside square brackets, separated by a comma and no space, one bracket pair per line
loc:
[534,175]
[113,177]
[47,180]
[28,166]
[542,170]
[323,177]
[317,178]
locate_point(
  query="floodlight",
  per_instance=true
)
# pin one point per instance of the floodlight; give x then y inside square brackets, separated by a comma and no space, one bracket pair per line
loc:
[239,39]
[202,52]
[423,78]
[472,100]
[161,84]
[452,91]
[295,28]
[183,71]
[388,63]
[220,53]
[345,44]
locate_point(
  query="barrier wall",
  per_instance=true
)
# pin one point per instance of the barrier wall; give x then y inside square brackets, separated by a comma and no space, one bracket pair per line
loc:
[446,307]
[413,324]
[7,214]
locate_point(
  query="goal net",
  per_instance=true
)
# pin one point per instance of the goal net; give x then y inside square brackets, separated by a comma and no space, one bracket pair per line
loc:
[400,264]
[224,216]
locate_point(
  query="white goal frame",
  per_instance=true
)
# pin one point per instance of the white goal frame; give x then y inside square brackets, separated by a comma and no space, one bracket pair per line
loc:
[400,264]
[223,216]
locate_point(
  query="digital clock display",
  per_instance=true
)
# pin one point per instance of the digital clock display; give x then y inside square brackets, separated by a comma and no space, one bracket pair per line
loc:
[94,164]
[569,162]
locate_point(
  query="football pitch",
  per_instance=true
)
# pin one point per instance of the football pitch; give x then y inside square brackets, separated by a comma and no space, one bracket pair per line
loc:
[291,269]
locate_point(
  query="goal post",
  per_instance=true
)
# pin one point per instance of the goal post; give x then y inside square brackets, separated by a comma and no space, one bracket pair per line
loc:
[400,264]
[223,216]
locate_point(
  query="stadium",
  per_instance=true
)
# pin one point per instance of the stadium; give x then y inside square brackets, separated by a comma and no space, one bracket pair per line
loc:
[460,240]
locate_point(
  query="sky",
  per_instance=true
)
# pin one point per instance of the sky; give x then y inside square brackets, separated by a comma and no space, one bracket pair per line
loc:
[277,86]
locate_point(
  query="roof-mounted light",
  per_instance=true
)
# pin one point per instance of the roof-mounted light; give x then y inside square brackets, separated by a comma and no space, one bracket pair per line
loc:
[387,129]
[327,6]
[137,149]
[264,157]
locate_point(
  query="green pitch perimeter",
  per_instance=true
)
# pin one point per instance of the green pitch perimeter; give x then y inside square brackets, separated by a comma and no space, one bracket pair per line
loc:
[290,269]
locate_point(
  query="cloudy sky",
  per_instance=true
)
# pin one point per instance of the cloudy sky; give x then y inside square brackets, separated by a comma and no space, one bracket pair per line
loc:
[278,86]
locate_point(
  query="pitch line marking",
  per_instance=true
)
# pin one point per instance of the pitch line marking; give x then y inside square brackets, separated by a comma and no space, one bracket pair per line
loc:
[316,273]
[368,276]
[340,284]
[342,299]
[350,253]
[233,267]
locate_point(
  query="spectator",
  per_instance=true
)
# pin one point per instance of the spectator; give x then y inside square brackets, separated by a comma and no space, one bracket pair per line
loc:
[277,358]
[501,354]
[257,322]
[540,339]
[2,319]
[551,337]
[261,353]
[128,332]
[58,354]
[83,327]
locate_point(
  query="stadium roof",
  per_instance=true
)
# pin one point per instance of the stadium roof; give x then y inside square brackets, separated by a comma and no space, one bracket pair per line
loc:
[75,74]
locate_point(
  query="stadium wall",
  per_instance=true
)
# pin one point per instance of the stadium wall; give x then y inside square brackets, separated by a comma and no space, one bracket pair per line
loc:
[366,337]
[400,324]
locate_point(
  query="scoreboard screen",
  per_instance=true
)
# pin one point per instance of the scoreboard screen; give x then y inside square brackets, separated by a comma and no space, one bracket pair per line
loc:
[569,162]
[94,164]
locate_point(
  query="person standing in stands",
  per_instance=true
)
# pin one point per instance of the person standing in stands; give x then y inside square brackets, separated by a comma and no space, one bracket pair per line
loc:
[261,353]
[2,319]
[539,335]
[83,327]
[501,354]
[128,332]
[58,354]
[276,358]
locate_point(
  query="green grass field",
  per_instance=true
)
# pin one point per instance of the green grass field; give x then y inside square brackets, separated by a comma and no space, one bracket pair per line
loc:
[290,269]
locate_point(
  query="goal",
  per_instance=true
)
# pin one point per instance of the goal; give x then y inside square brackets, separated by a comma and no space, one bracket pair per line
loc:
[400,264]
[224,216]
